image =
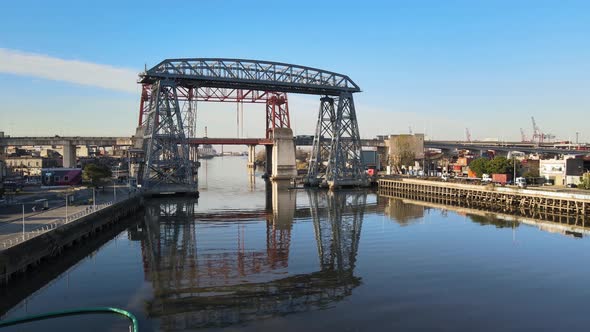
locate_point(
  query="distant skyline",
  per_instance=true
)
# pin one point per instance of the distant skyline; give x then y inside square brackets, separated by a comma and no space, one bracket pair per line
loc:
[70,68]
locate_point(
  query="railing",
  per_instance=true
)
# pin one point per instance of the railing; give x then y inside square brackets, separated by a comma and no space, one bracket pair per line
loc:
[20,238]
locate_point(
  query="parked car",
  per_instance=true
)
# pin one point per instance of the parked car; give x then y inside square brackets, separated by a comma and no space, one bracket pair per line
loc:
[571,185]
[521,182]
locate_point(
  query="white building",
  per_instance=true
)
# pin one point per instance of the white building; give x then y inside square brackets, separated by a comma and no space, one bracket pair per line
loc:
[562,171]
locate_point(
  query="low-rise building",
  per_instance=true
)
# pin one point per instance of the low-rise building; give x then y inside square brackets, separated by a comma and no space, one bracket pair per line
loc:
[29,165]
[2,170]
[562,171]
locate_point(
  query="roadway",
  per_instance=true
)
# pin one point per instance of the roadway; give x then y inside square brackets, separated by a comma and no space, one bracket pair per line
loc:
[11,224]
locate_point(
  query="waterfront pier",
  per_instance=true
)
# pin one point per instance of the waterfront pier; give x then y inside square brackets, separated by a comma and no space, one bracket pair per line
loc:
[490,196]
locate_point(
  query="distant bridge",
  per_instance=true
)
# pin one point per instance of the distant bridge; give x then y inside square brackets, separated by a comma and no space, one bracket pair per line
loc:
[501,146]
[68,143]
[66,140]
[301,140]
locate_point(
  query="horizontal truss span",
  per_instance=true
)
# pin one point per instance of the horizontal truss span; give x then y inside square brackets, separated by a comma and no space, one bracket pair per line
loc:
[230,141]
[249,75]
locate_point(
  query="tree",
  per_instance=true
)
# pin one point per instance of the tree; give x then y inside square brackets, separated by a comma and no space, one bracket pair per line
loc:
[500,165]
[479,166]
[96,174]
[261,157]
[301,154]
[403,154]
[585,181]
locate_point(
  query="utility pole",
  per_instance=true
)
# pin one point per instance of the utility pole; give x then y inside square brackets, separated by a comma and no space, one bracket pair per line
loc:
[93,199]
[577,137]
[514,166]
[23,221]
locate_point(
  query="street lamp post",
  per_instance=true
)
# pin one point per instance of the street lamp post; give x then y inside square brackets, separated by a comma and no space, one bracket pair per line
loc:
[66,207]
[114,184]
[128,169]
[93,199]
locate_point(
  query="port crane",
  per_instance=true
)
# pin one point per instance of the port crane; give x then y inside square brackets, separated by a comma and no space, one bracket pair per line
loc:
[523,137]
[538,136]
[468,135]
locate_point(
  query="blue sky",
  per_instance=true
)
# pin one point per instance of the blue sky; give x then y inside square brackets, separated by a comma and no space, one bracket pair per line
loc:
[438,66]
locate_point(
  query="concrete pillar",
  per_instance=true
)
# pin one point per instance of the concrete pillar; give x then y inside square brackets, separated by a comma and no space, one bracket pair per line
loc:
[251,155]
[252,179]
[69,156]
[283,204]
[268,159]
[137,139]
[283,155]
[268,195]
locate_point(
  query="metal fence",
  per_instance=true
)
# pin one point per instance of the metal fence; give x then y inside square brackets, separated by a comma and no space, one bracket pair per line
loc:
[21,237]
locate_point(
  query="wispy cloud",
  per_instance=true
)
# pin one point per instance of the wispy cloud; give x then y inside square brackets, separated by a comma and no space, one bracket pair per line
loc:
[73,71]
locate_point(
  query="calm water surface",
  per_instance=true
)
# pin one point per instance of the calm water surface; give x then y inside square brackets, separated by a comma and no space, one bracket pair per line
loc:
[250,257]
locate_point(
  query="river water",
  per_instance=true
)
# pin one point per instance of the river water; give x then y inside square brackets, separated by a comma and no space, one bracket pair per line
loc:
[247,256]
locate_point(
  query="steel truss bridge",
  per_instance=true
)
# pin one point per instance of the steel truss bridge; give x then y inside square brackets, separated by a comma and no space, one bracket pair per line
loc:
[168,113]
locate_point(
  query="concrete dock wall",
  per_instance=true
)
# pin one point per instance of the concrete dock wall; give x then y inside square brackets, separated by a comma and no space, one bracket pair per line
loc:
[30,253]
[494,197]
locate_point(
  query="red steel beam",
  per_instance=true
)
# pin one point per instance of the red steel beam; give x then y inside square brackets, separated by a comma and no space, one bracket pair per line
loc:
[230,141]
[277,108]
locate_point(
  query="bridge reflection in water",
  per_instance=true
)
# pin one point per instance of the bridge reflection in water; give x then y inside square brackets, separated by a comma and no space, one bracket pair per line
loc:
[199,282]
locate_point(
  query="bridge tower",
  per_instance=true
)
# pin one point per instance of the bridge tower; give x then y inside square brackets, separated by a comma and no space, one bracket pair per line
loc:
[167,164]
[336,142]
[277,112]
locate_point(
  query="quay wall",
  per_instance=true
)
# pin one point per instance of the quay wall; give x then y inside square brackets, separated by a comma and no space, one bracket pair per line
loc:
[30,253]
[546,221]
[493,196]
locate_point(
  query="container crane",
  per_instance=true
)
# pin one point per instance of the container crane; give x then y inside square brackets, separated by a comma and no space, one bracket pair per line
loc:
[523,137]
[468,135]
[538,135]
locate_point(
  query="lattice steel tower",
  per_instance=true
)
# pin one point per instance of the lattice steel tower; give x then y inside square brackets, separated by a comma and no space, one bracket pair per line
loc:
[336,143]
[167,164]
